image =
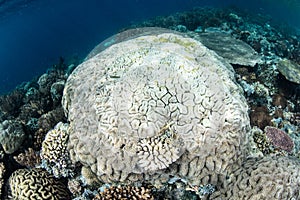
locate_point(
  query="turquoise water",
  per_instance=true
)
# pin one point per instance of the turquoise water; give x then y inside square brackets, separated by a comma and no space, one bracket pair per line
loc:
[34,34]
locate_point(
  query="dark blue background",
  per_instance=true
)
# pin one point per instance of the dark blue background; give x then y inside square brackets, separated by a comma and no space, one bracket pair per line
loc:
[34,34]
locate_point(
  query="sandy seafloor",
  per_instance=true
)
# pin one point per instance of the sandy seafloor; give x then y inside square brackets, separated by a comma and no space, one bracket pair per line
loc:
[271,88]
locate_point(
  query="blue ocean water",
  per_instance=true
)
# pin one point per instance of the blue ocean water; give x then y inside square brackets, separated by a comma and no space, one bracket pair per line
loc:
[35,33]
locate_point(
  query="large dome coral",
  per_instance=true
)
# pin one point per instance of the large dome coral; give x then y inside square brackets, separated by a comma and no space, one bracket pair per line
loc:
[155,106]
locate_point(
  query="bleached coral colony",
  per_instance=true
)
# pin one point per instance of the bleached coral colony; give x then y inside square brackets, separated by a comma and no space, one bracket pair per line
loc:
[156,106]
[161,105]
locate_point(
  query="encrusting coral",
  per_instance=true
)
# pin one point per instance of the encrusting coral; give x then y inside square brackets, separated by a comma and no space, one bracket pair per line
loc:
[155,106]
[36,184]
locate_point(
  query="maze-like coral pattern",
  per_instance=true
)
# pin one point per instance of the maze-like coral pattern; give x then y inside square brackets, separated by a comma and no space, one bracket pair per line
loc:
[263,178]
[36,184]
[155,106]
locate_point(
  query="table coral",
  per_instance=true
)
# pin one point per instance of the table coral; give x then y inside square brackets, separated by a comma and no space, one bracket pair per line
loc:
[233,50]
[156,106]
[36,184]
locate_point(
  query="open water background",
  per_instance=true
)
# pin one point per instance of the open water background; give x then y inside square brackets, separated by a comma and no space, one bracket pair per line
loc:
[35,33]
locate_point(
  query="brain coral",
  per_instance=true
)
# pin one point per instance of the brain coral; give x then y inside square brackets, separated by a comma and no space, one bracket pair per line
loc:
[36,184]
[155,106]
[54,154]
[264,178]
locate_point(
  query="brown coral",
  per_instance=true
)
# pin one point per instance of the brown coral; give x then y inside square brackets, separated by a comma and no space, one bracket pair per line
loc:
[11,102]
[29,158]
[260,117]
[279,100]
[125,192]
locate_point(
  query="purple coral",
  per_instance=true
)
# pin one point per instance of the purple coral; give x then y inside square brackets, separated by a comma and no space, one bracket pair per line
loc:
[279,138]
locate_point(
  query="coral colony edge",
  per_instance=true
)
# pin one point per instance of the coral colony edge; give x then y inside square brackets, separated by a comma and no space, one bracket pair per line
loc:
[189,106]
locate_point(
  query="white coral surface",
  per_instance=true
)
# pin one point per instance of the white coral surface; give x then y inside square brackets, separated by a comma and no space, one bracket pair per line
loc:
[156,106]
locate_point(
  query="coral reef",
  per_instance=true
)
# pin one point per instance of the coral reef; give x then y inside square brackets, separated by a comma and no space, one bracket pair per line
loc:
[45,123]
[12,135]
[263,178]
[279,138]
[232,50]
[29,158]
[75,187]
[125,192]
[90,178]
[260,117]
[54,154]
[156,105]
[10,103]
[261,141]
[56,91]
[289,70]
[36,184]
[2,172]
[156,148]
